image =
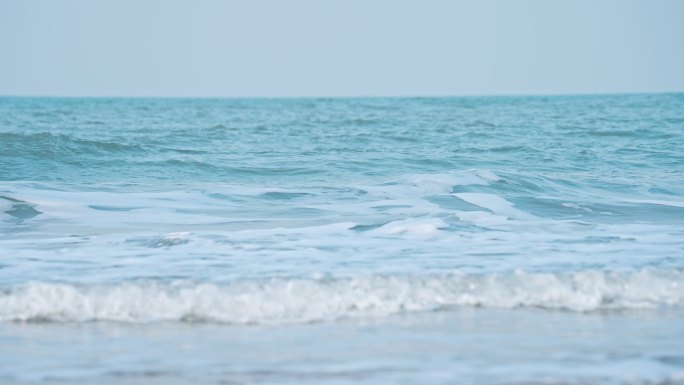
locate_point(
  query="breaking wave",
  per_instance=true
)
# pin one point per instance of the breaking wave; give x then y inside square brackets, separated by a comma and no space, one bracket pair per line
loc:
[303,300]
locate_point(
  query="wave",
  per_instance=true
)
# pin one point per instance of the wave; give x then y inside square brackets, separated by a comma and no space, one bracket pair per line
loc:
[304,300]
[51,145]
[47,144]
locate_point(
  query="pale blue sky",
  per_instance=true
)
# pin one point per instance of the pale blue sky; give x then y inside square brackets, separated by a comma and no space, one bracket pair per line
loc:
[339,48]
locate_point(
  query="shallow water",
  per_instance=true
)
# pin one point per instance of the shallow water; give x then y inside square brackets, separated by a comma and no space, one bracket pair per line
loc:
[466,345]
[404,240]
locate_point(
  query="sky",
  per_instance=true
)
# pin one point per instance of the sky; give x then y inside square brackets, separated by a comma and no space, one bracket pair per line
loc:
[292,48]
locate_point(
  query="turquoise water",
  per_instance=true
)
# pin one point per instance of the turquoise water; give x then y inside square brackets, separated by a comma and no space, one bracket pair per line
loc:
[381,240]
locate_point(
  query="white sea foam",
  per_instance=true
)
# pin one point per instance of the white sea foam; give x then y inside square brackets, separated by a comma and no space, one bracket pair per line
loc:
[322,299]
[5,205]
[419,185]
[658,202]
[481,218]
[411,227]
[495,204]
[487,175]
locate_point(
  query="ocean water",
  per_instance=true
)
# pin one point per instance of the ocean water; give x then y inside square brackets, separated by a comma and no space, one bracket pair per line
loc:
[491,240]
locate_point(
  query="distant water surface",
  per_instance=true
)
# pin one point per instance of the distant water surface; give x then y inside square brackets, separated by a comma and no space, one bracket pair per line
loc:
[493,240]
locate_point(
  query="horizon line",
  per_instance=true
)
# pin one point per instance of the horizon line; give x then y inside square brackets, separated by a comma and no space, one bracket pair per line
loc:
[371,96]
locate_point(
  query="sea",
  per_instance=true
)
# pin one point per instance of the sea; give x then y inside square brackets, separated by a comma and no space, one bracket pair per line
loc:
[452,240]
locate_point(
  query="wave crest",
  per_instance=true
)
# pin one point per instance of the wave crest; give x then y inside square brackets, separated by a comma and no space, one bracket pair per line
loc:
[325,299]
